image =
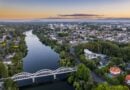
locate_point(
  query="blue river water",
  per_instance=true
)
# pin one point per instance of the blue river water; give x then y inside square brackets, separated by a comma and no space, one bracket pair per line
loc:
[40,56]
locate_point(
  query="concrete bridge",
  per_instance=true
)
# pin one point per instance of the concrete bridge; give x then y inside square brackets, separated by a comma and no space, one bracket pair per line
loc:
[42,73]
[46,74]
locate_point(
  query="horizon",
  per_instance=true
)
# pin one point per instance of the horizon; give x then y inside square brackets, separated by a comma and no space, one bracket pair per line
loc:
[64,9]
[67,20]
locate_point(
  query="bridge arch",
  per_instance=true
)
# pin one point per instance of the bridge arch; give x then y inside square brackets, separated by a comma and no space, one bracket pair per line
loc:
[22,75]
[63,69]
[43,72]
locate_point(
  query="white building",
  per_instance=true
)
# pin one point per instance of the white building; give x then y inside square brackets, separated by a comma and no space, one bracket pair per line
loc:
[90,55]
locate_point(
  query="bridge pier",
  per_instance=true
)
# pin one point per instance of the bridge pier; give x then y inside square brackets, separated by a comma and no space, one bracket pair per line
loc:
[54,76]
[33,79]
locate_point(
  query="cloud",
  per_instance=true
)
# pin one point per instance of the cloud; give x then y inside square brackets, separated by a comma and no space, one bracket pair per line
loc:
[76,16]
[79,15]
[57,18]
[117,18]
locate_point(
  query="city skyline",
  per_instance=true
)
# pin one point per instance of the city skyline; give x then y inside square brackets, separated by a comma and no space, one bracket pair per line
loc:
[64,9]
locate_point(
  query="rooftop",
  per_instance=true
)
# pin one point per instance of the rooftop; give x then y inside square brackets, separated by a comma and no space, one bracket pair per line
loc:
[127,77]
[115,70]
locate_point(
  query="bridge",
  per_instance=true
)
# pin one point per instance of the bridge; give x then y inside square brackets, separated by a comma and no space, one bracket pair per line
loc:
[41,73]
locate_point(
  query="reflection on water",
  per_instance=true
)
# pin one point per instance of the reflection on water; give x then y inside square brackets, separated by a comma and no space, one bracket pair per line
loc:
[59,85]
[40,56]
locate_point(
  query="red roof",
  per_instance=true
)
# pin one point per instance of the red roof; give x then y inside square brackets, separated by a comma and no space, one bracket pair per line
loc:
[127,77]
[115,70]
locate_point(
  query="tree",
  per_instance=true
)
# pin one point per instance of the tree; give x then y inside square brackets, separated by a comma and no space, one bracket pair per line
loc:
[62,54]
[105,86]
[3,70]
[82,79]
[71,79]
[10,85]
[83,72]
[117,61]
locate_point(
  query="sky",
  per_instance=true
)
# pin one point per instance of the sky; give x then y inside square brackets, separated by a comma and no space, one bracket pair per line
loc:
[64,9]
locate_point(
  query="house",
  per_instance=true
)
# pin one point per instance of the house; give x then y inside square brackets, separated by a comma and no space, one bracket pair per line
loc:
[127,79]
[115,71]
[10,56]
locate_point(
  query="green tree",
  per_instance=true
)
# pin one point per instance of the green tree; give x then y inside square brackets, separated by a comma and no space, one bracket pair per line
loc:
[105,86]
[10,85]
[3,70]
[82,79]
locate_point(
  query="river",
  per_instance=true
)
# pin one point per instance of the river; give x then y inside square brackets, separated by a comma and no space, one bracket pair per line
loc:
[40,56]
